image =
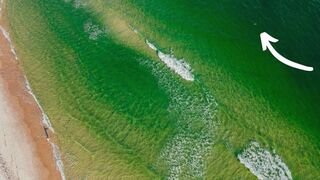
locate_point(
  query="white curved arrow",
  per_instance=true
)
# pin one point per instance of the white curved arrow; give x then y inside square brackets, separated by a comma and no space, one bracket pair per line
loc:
[265,42]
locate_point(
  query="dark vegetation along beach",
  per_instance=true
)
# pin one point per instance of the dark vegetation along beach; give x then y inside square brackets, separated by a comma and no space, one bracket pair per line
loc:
[172,89]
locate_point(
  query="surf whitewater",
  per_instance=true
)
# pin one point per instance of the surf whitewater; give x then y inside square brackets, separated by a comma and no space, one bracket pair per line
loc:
[194,111]
[263,164]
[179,66]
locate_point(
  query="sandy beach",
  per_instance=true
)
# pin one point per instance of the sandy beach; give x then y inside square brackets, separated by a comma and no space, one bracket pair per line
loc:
[25,152]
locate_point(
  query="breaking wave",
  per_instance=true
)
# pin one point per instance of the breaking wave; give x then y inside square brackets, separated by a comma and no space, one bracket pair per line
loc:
[179,66]
[194,111]
[263,164]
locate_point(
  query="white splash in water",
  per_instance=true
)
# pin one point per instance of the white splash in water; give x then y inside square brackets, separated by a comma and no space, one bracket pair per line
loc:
[263,164]
[179,66]
[94,31]
[7,36]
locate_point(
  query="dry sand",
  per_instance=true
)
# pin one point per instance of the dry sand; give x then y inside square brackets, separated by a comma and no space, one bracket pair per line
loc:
[25,152]
[17,152]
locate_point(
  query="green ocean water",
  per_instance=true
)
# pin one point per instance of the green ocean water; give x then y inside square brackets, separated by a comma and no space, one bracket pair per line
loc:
[119,112]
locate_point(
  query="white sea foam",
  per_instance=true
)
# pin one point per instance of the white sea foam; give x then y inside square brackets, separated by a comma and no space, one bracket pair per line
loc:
[57,157]
[45,120]
[179,66]
[263,164]
[185,154]
[94,31]
[189,148]
[194,112]
[7,36]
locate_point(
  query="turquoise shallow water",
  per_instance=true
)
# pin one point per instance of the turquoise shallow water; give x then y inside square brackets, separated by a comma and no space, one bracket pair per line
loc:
[113,84]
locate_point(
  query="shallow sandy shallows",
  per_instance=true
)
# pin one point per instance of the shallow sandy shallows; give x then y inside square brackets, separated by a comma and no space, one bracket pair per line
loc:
[25,152]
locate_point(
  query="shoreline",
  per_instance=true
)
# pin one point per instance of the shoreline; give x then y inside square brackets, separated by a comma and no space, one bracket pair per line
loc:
[27,152]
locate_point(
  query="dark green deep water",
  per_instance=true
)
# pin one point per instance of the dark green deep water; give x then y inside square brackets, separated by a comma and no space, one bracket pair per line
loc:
[226,34]
[103,84]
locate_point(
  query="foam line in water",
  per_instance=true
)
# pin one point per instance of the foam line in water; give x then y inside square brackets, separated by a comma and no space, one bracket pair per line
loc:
[179,66]
[57,157]
[7,36]
[45,120]
[263,164]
